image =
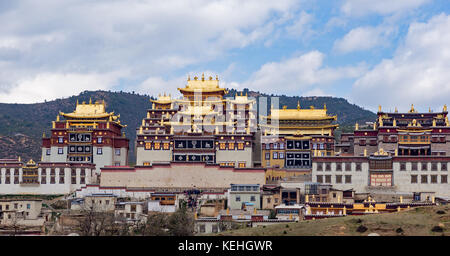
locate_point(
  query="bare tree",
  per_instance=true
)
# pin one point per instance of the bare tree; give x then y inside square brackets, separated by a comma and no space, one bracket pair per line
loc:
[181,222]
[156,225]
[99,223]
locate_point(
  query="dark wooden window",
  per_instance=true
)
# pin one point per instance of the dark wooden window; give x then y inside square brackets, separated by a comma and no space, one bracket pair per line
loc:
[433,178]
[348,179]
[320,178]
[402,166]
[424,179]
[413,178]
[338,178]
[444,179]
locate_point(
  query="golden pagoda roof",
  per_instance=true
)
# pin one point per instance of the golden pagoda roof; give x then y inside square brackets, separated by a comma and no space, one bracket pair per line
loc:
[202,85]
[163,99]
[241,99]
[90,110]
[299,114]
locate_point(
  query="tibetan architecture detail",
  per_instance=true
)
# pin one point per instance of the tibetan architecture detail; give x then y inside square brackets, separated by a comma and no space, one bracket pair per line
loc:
[399,154]
[87,135]
[201,126]
[291,136]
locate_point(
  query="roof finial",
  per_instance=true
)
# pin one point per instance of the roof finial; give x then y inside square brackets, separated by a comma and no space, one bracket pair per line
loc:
[298,105]
[217,77]
[379,108]
[396,110]
[203,76]
[90,100]
[189,77]
[445,108]
[325,106]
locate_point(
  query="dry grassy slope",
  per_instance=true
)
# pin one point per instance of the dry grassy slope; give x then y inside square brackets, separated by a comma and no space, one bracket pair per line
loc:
[414,222]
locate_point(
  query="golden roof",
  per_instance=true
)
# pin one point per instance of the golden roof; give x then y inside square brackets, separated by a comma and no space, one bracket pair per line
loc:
[90,110]
[163,99]
[299,114]
[202,85]
[241,99]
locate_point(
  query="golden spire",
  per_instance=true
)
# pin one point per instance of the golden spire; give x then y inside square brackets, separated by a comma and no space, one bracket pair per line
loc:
[57,118]
[90,100]
[189,77]
[203,76]
[395,123]
[356,126]
[43,134]
[379,108]
[412,110]
[396,110]
[445,108]
[325,106]
[429,109]
[298,105]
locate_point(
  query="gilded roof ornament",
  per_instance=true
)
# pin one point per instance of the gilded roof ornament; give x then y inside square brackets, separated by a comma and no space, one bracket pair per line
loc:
[445,108]
[379,108]
[298,105]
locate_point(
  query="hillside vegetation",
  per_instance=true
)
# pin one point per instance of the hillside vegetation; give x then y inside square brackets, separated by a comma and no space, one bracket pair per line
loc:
[420,221]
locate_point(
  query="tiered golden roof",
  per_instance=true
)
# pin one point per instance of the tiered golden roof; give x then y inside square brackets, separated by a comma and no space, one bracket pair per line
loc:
[163,99]
[300,114]
[90,110]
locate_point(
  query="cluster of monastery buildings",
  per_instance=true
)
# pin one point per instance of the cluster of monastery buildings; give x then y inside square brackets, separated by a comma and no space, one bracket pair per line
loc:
[203,148]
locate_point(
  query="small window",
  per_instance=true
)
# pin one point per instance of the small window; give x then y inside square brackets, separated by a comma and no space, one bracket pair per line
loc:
[267,156]
[60,151]
[338,179]
[433,179]
[238,198]
[60,140]
[402,166]
[275,155]
[327,178]
[348,179]
[444,179]
[117,151]
[443,166]
[319,166]
[320,178]
[281,155]
[252,199]
[28,206]
[48,152]
[424,179]
[99,151]
[358,166]
[99,140]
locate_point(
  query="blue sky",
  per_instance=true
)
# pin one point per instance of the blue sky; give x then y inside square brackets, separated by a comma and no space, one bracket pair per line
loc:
[393,53]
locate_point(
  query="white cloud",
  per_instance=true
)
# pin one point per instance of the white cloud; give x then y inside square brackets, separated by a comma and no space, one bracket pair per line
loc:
[147,37]
[301,26]
[363,38]
[298,75]
[48,86]
[417,74]
[383,7]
